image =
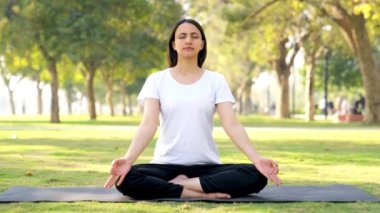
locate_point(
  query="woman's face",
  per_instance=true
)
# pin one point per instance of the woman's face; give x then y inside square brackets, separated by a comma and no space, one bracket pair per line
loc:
[187,41]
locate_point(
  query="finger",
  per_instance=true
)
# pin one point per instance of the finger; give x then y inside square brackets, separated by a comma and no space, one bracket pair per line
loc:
[112,181]
[114,163]
[107,182]
[275,179]
[275,167]
[120,180]
[276,170]
[275,163]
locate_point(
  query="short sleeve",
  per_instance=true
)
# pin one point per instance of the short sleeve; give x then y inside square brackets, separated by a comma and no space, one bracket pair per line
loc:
[149,90]
[223,93]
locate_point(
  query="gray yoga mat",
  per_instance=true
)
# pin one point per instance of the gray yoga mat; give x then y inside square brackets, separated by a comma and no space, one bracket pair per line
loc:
[331,193]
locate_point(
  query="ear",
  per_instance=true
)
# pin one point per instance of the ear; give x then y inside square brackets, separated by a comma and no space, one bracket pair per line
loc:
[173,45]
[202,44]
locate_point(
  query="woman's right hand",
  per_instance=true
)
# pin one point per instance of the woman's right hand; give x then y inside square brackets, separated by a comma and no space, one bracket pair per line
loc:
[120,168]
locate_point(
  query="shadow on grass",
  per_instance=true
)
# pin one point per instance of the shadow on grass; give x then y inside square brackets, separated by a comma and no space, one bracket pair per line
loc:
[310,151]
[40,177]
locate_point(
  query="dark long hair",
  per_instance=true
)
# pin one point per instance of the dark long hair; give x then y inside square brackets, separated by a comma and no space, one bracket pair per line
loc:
[172,54]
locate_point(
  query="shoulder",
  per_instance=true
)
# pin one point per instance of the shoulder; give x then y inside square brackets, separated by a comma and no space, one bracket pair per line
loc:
[216,78]
[157,78]
[214,75]
[158,75]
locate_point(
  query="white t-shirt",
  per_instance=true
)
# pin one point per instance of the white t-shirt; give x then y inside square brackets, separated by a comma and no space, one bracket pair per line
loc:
[186,116]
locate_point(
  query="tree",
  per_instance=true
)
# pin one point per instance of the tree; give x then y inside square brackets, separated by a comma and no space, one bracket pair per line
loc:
[19,65]
[355,20]
[43,24]
[276,39]
[103,38]
[91,36]
[313,45]
[145,45]
[10,82]
[7,53]
[72,81]
[228,51]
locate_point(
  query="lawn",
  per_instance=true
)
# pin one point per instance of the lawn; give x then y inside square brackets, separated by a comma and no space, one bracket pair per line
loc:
[78,152]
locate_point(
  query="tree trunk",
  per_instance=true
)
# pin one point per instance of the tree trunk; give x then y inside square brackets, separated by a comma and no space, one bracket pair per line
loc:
[90,92]
[39,94]
[130,104]
[355,32]
[309,89]
[239,100]
[70,98]
[109,95]
[11,101]
[282,69]
[244,102]
[369,70]
[54,107]
[283,96]
[54,84]
[247,101]
[10,92]
[122,93]
[246,96]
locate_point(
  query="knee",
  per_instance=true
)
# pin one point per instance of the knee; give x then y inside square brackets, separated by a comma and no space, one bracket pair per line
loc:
[260,182]
[257,181]
[130,187]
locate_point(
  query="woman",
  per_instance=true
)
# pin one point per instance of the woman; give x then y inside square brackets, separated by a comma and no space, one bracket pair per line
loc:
[186,162]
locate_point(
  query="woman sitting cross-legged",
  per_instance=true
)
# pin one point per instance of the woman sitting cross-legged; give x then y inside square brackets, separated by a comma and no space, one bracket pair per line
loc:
[183,99]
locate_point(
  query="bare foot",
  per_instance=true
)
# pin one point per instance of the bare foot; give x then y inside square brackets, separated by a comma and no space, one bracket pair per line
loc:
[188,193]
[217,195]
[178,179]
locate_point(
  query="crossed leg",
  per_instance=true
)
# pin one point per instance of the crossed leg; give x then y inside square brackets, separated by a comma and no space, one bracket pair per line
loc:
[192,188]
[152,181]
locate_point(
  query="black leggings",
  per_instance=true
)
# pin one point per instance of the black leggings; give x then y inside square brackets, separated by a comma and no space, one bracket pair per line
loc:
[150,181]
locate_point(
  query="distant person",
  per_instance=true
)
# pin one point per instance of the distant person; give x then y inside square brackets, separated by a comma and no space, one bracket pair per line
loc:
[273,108]
[359,105]
[345,107]
[186,162]
[330,107]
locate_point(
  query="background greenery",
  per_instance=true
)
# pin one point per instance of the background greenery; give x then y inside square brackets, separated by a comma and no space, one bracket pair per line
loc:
[100,53]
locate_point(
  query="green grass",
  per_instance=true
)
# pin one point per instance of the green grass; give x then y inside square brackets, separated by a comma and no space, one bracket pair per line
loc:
[78,152]
[247,120]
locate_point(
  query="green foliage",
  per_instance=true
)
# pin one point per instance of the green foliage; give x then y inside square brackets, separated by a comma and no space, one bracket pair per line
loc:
[126,38]
[343,72]
[114,31]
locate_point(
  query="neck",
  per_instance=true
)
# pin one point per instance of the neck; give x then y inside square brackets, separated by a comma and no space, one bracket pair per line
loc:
[187,65]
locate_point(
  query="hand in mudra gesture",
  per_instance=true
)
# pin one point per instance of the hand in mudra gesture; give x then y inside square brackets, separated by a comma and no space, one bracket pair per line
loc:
[269,169]
[120,168]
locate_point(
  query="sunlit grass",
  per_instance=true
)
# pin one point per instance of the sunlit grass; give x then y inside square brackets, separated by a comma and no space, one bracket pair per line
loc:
[79,154]
[247,120]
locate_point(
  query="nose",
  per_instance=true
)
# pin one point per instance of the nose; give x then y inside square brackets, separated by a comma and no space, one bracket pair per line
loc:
[188,39]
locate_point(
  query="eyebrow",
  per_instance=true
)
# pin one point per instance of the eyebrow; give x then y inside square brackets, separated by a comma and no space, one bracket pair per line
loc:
[190,33]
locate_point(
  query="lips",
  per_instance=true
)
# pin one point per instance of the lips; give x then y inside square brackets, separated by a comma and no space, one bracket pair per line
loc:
[188,48]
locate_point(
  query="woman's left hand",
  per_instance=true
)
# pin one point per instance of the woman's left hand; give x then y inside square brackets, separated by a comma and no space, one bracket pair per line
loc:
[269,169]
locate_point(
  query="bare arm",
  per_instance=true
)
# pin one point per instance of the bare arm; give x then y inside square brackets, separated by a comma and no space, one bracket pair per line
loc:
[239,136]
[145,131]
[235,130]
[148,126]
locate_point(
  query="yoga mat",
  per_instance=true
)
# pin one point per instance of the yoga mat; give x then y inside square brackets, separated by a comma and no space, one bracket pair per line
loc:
[331,193]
